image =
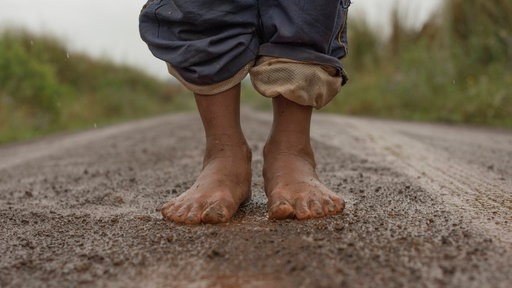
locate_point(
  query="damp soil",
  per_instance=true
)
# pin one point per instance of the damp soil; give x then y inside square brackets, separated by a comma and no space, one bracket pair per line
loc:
[81,210]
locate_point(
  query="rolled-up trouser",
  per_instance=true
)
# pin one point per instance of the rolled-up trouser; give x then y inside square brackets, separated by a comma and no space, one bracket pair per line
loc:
[291,47]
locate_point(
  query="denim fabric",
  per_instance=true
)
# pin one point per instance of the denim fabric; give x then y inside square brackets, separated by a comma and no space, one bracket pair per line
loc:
[209,41]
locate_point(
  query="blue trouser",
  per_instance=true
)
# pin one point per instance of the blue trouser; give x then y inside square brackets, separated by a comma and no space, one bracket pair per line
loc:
[209,41]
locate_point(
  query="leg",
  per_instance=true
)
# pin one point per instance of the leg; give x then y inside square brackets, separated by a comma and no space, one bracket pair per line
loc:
[224,182]
[291,183]
[299,67]
[209,49]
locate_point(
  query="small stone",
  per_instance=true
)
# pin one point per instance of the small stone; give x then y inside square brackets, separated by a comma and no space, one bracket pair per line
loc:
[339,227]
[318,237]
[214,253]
[118,199]
[83,266]
[145,218]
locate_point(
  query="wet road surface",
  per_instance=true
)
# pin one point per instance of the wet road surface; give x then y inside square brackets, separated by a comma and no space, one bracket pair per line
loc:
[427,206]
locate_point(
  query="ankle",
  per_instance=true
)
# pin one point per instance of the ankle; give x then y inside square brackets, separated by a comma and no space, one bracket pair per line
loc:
[289,142]
[226,145]
[278,160]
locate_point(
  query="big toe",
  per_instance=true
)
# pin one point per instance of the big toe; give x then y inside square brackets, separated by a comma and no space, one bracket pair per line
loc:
[280,210]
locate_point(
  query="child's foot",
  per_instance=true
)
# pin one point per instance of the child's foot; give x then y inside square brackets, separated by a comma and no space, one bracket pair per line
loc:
[224,183]
[292,185]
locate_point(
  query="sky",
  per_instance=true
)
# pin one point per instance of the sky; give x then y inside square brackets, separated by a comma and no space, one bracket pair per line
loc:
[109,28]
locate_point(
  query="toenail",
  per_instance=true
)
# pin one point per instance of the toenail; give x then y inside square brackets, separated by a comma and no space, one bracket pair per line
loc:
[167,217]
[192,220]
[220,214]
[215,214]
[281,204]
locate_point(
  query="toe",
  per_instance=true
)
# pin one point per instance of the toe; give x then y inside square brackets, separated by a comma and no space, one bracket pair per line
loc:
[194,215]
[301,210]
[181,214]
[169,209]
[216,213]
[280,210]
[329,207]
[316,209]
[339,204]
[167,205]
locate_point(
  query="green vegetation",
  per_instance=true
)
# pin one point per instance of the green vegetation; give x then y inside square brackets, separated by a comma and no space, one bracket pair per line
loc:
[44,89]
[457,68]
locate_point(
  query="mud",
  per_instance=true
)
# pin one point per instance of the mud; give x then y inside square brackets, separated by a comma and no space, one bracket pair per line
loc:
[80,210]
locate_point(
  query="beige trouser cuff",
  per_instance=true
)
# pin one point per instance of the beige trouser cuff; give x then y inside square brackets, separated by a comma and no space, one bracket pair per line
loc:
[304,83]
[213,88]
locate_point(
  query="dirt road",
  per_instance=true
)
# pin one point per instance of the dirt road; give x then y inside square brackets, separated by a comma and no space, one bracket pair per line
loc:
[427,206]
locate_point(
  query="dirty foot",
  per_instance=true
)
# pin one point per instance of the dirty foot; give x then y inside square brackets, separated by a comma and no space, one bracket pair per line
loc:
[224,183]
[293,188]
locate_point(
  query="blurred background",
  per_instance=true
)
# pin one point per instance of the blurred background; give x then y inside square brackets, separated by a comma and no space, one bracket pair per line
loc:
[68,65]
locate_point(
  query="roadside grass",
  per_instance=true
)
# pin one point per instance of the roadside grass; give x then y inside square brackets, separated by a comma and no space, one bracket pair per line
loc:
[45,89]
[456,69]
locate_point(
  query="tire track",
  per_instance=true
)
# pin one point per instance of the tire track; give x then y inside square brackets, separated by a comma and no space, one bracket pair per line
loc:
[83,211]
[477,193]
[15,154]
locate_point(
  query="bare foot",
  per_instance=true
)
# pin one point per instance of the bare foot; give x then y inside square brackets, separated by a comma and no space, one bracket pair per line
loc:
[293,188]
[224,183]
[291,183]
